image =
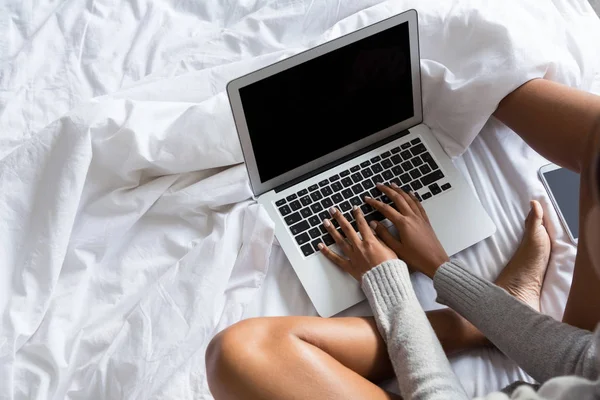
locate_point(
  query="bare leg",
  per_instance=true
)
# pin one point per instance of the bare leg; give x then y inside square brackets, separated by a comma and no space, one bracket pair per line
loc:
[310,357]
[560,124]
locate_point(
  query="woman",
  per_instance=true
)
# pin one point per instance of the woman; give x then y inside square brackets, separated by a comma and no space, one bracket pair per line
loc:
[304,357]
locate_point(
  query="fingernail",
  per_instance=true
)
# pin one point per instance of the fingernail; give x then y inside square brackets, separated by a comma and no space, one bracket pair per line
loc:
[373,224]
[354,208]
[321,246]
[332,210]
[379,184]
[394,185]
[367,197]
[326,223]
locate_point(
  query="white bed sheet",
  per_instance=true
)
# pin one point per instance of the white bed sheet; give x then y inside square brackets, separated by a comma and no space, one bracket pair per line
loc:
[129,237]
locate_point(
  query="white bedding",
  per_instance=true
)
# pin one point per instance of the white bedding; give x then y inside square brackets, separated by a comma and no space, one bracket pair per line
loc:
[129,237]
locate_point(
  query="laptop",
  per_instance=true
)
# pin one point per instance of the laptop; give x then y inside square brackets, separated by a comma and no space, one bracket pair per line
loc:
[321,128]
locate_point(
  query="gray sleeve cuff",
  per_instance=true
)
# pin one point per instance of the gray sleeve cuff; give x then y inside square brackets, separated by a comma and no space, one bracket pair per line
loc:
[387,285]
[458,288]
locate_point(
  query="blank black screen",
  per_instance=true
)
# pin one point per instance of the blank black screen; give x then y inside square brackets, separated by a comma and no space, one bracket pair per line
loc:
[564,185]
[317,107]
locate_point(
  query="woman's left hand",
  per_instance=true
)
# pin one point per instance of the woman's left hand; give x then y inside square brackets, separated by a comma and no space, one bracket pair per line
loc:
[363,254]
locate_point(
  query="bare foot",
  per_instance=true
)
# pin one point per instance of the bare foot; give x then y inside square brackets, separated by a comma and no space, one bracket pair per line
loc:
[523,276]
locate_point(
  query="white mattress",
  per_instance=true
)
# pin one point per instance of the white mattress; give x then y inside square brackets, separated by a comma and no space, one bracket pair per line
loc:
[129,233]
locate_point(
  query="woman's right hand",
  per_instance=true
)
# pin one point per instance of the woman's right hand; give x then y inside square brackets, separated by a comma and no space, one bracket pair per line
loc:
[418,245]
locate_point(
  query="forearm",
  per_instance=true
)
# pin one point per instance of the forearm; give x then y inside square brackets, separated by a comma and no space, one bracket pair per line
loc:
[542,346]
[553,119]
[419,361]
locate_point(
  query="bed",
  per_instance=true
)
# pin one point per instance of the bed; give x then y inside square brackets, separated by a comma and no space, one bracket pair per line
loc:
[128,229]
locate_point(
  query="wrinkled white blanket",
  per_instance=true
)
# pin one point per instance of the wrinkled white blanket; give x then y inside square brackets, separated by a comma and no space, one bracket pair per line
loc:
[127,229]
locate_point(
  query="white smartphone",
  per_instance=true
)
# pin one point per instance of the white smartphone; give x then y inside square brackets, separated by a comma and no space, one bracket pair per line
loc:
[563,187]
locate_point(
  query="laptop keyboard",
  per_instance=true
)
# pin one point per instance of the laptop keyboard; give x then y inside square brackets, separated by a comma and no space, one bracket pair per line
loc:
[409,165]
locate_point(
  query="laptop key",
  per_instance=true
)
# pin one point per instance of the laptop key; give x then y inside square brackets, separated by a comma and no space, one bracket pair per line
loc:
[302,192]
[368,184]
[433,165]
[406,188]
[347,182]
[387,175]
[386,154]
[416,161]
[337,198]
[385,199]
[365,208]
[280,202]
[415,141]
[418,196]
[295,205]
[355,168]
[344,173]
[396,159]
[396,181]
[334,178]
[406,155]
[387,163]
[426,196]
[367,173]
[435,189]
[349,217]
[307,250]
[314,220]
[292,197]
[418,149]
[326,203]
[323,215]
[357,188]
[375,216]
[425,169]
[326,191]
[395,150]
[446,186]
[316,207]
[328,240]
[377,168]
[415,173]
[365,164]
[405,178]
[345,206]
[375,192]
[416,185]
[356,201]
[407,165]
[306,212]
[405,145]
[285,210]
[315,244]
[324,182]
[397,170]
[299,227]
[432,177]
[347,193]
[314,232]
[316,196]
[375,159]
[293,218]
[303,238]
[377,179]
[305,200]
[336,186]
[322,229]
[312,188]
[357,177]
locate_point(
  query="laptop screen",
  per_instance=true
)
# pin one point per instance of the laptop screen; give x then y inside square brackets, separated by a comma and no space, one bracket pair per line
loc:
[312,109]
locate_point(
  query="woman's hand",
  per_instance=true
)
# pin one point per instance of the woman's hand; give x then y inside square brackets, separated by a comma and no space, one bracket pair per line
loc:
[418,246]
[364,254]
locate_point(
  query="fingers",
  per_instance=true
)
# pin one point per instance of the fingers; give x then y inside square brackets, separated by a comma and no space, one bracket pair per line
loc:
[388,211]
[398,200]
[410,200]
[339,239]
[345,225]
[362,225]
[419,206]
[333,256]
[386,237]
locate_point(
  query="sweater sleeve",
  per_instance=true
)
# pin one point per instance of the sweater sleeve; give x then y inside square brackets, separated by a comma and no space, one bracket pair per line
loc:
[419,361]
[542,346]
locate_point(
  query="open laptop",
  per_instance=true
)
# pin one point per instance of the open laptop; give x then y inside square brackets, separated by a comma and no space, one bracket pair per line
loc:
[321,128]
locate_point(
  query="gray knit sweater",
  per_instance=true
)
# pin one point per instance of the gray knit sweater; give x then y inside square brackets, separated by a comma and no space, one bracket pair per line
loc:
[562,357]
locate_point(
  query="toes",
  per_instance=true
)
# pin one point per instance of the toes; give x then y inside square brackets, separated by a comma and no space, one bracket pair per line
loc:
[536,214]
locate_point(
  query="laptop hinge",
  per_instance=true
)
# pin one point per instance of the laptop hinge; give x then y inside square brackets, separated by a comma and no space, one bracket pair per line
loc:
[339,161]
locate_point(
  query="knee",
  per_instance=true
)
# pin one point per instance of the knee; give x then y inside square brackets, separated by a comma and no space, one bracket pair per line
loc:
[236,354]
